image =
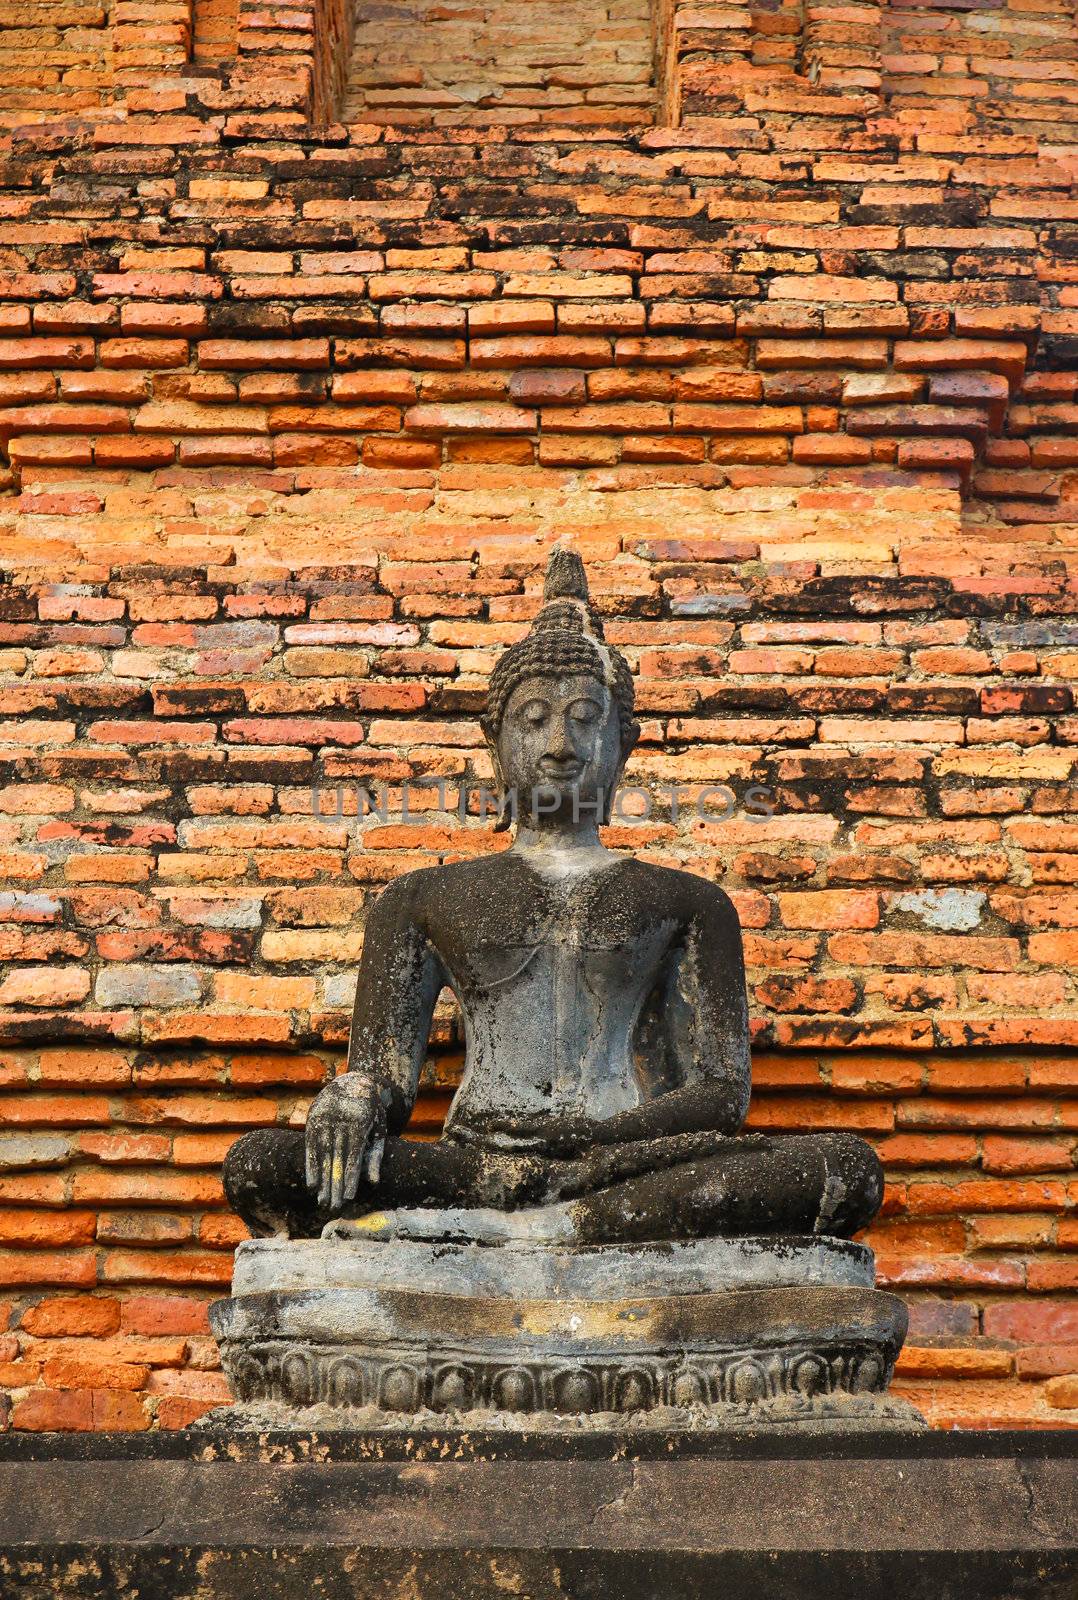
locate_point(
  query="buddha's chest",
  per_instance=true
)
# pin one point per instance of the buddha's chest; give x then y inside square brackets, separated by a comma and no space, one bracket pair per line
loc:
[570,962]
[554,1016]
[511,918]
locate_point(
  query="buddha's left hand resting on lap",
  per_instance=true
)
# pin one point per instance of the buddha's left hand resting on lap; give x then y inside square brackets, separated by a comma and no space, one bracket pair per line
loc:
[606,1070]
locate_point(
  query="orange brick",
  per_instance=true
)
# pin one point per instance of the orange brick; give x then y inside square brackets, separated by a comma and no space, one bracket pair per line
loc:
[44,1267]
[106,1186]
[1049,1154]
[165,1266]
[61,1315]
[158,1314]
[930,1362]
[47,1410]
[876,1075]
[970,1195]
[37,1229]
[62,1373]
[1050,1276]
[174,1411]
[828,908]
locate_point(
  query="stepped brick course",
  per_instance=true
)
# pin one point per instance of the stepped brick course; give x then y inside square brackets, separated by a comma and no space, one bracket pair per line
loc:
[291,409]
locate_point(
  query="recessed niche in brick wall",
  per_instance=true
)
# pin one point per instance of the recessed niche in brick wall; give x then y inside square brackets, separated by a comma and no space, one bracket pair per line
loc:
[475,62]
[1015,61]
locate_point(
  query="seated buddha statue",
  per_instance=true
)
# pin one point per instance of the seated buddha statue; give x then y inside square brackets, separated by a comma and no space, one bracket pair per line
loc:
[606,1074]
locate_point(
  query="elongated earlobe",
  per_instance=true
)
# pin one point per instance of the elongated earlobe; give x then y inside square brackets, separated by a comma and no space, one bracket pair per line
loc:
[490,734]
[628,745]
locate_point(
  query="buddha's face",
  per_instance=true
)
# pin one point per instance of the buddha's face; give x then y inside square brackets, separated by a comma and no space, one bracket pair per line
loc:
[560,748]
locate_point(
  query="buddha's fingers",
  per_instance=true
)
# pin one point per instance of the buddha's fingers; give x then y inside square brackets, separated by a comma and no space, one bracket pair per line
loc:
[325,1165]
[353,1165]
[313,1147]
[374,1161]
[341,1139]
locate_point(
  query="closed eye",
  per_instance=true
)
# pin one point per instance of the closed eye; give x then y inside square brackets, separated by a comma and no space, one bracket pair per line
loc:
[585,711]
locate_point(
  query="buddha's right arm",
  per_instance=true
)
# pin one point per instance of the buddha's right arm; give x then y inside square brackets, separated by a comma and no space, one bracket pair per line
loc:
[400,978]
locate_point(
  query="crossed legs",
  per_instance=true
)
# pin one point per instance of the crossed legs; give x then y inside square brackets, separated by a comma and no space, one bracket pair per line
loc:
[684,1186]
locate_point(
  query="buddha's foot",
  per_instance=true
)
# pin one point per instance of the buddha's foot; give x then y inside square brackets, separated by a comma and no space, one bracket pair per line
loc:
[551,1224]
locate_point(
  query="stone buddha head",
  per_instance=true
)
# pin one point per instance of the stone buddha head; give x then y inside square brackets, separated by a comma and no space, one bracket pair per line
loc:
[559,721]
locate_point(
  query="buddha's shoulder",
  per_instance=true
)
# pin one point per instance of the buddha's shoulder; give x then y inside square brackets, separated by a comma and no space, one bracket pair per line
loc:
[450,879]
[686,893]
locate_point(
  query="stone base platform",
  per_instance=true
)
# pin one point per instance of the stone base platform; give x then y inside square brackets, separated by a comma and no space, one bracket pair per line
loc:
[715,1334]
[464,1516]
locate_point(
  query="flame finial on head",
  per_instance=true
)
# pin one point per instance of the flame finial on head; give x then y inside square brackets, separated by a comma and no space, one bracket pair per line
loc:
[567,606]
[565,576]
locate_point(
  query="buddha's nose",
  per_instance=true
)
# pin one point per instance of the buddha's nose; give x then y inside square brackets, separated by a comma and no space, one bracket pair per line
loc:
[559,744]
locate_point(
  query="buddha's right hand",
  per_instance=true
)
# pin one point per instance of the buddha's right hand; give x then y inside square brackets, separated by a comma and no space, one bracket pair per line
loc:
[345,1137]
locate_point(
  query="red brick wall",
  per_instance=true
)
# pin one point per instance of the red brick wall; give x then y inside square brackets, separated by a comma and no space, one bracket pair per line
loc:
[291,411]
[213,30]
[455,62]
[1010,60]
[55,59]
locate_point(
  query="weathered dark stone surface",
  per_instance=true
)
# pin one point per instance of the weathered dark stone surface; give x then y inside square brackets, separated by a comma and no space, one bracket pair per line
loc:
[453,1516]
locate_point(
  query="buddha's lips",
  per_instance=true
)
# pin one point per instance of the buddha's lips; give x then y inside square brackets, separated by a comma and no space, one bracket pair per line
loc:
[561,772]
